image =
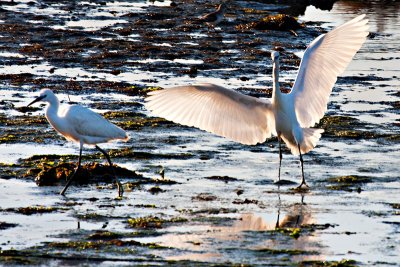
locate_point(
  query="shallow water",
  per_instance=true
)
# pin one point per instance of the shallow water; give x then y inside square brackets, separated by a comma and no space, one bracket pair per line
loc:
[334,224]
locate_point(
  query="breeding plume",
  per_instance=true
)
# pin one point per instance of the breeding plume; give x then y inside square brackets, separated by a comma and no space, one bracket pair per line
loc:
[81,125]
[249,120]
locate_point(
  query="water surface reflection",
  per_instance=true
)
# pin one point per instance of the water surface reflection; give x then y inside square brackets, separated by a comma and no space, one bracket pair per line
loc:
[255,234]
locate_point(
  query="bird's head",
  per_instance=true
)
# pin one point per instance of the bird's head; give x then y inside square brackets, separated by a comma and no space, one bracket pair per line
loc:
[45,95]
[274,56]
[222,7]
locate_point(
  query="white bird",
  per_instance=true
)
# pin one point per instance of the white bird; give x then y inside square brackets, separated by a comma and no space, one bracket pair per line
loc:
[81,125]
[249,120]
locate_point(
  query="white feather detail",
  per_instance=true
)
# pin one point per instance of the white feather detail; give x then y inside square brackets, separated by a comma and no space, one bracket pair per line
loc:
[225,112]
[324,59]
[88,126]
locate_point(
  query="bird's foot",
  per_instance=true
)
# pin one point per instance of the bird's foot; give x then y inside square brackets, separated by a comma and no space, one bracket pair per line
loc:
[62,192]
[302,187]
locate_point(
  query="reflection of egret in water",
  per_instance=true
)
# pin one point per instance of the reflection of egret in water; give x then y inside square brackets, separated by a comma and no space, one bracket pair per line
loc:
[297,215]
[293,219]
[209,242]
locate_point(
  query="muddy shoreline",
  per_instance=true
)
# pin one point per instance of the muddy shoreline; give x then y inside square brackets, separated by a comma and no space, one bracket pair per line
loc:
[191,198]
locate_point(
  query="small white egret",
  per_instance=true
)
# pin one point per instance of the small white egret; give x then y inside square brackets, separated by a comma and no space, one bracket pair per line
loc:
[80,125]
[249,120]
[215,17]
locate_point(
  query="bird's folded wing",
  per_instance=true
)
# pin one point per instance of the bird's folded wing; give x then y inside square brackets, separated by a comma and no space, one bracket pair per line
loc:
[88,123]
[215,109]
[209,17]
[325,58]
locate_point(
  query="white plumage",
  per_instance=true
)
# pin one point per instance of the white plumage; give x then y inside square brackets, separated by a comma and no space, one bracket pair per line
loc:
[217,110]
[323,61]
[250,120]
[78,124]
[81,125]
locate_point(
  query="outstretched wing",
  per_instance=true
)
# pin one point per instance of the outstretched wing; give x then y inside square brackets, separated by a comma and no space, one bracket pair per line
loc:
[225,112]
[324,59]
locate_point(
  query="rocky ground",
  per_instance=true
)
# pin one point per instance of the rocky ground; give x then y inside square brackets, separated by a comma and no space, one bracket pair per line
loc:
[191,198]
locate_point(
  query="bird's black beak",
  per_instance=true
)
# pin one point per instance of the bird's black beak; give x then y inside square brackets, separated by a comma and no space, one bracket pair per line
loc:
[36,100]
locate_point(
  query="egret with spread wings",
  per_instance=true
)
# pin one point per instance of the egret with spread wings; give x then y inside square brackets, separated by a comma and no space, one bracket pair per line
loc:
[249,120]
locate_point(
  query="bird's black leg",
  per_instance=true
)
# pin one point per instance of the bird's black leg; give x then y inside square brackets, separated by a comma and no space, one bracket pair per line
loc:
[119,185]
[303,181]
[73,175]
[279,209]
[280,158]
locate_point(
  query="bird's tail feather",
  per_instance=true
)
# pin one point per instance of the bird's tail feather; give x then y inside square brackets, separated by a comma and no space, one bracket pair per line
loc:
[310,139]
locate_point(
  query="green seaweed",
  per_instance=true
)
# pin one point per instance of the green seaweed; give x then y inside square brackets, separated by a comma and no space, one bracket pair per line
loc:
[145,222]
[150,206]
[204,197]
[292,232]
[302,189]
[95,244]
[92,217]
[14,257]
[348,127]
[393,137]
[348,183]
[103,235]
[55,172]
[8,138]
[278,22]
[395,205]
[140,90]
[135,121]
[130,153]
[291,252]
[152,222]
[254,11]
[33,210]
[341,263]
[350,179]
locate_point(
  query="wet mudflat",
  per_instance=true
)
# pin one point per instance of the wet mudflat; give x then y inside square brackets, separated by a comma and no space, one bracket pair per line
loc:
[191,197]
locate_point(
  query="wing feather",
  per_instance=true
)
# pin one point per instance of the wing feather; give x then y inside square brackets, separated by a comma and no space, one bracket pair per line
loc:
[90,126]
[215,109]
[325,58]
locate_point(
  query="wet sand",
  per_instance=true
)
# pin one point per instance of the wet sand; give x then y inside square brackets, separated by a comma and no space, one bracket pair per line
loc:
[217,202]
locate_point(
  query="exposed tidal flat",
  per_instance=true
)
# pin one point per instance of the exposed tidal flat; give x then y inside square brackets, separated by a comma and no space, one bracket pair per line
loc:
[192,198]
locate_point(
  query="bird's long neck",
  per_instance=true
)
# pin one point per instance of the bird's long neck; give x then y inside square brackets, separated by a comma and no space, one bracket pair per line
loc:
[276,92]
[52,113]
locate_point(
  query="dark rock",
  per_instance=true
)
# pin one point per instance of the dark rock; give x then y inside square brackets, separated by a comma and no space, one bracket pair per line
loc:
[204,197]
[280,22]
